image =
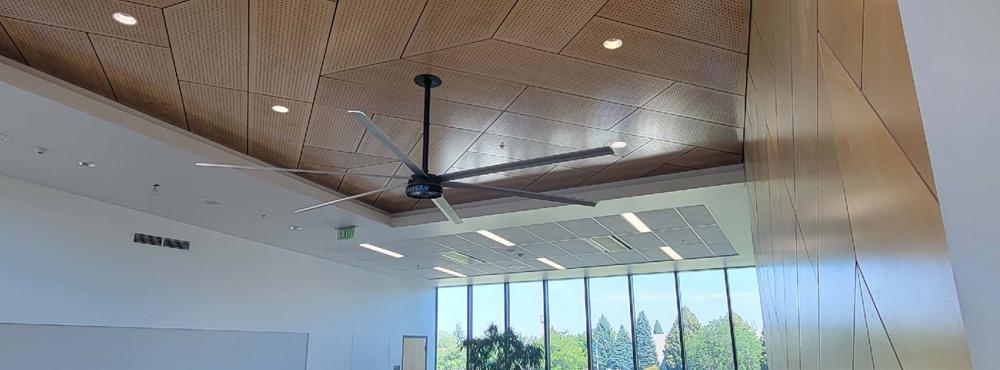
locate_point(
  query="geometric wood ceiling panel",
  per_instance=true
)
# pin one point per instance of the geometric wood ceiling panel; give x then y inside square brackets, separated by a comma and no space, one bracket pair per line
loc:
[522,78]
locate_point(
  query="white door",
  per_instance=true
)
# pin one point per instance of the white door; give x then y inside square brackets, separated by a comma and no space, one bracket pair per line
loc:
[414,353]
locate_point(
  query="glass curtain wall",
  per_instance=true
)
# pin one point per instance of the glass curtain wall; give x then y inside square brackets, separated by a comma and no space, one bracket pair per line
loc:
[695,320]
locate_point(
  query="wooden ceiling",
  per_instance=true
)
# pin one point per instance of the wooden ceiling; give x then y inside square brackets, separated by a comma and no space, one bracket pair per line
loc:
[522,78]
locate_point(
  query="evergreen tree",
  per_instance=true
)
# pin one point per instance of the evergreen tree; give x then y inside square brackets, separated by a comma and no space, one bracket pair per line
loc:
[602,340]
[645,348]
[749,347]
[621,352]
[672,352]
[657,328]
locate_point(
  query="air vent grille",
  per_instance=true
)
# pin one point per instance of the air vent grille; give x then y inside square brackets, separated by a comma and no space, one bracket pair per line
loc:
[460,258]
[160,241]
[609,244]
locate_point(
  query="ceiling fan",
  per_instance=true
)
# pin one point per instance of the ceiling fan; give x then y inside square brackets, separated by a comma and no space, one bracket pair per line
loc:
[425,185]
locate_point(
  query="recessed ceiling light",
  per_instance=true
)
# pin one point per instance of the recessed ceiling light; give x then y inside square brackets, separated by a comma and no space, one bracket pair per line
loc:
[87,164]
[636,222]
[211,202]
[295,228]
[672,253]
[125,18]
[449,272]
[618,145]
[279,108]
[612,43]
[550,263]
[496,238]
[4,138]
[381,250]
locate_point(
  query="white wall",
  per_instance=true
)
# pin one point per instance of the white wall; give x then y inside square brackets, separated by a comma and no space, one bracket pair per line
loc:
[954,48]
[70,260]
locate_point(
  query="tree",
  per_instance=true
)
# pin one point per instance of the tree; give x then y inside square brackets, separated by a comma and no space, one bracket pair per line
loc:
[645,348]
[657,328]
[749,347]
[710,347]
[501,351]
[672,352]
[568,351]
[450,355]
[602,340]
[621,352]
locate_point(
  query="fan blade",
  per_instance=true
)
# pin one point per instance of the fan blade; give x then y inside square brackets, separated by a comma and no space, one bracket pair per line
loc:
[446,209]
[355,196]
[295,170]
[534,162]
[374,130]
[519,193]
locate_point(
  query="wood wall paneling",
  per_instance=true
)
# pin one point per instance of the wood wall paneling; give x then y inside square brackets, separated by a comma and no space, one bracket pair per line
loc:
[63,53]
[841,24]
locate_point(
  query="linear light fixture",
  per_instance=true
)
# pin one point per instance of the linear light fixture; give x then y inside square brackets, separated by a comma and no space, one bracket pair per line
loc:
[672,253]
[381,250]
[496,238]
[550,263]
[636,222]
[449,272]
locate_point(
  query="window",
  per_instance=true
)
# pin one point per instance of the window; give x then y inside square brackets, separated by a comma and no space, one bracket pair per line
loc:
[527,313]
[567,335]
[705,320]
[747,319]
[657,333]
[487,308]
[452,311]
[610,324]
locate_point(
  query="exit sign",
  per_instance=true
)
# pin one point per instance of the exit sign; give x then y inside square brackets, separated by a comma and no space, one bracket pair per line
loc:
[346,232]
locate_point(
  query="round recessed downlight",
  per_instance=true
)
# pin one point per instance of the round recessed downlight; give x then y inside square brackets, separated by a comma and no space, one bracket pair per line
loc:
[279,108]
[618,145]
[125,18]
[87,164]
[612,43]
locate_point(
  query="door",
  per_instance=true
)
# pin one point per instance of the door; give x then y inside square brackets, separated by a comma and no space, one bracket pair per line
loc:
[414,353]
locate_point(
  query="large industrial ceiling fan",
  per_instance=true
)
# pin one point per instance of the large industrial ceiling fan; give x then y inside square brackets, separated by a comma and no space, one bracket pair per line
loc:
[425,185]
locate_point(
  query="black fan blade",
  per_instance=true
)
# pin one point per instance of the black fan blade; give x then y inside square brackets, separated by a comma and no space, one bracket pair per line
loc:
[519,193]
[527,163]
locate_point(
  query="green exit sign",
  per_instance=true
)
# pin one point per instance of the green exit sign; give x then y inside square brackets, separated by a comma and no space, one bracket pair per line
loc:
[345,233]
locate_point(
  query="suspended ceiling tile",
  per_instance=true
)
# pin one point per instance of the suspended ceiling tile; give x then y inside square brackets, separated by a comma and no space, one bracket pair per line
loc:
[447,145]
[404,133]
[682,130]
[701,103]
[287,42]
[330,181]
[570,262]
[525,149]
[209,41]
[369,32]
[93,16]
[697,215]
[528,66]
[456,86]
[277,138]
[692,251]
[545,24]
[597,259]
[341,160]
[472,160]
[62,53]
[517,235]
[679,237]
[642,240]
[559,178]
[723,23]
[447,23]
[454,242]
[557,106]
[628,257]
[661,55]
[333,128]
[706,158]
[616,223]
[562,134]
[576,246]
[549,232]
[7,47]
[711,234]
[216,113]
[585,228]
[142,77]
[395,103]
[545,249]
[664,219]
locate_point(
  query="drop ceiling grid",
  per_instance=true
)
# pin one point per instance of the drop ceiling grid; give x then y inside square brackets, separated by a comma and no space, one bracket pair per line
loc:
[566,97]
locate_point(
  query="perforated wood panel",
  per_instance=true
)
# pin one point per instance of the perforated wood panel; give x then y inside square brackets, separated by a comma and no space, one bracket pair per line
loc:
[142,76]
[558,133]
[7,47]
[515,148]
[287,42]
[706,158]
[92,16]
[457,86]
[275,137]
[568,108]
[545,24]
[159,3]
[369,32]
[217,113]
[555,72]
[661,55]
[339,159]
[682,130]
[471,160]
[446,23]
[643,160]
[62,53]
[722,23]
[701,103]
[559,178]
[209,41]
[404,133]
[333,128]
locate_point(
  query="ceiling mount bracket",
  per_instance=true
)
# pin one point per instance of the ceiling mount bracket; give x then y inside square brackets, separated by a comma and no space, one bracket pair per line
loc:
[427,80]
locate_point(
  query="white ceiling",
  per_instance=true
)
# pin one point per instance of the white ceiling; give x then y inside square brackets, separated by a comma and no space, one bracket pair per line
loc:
[133,152]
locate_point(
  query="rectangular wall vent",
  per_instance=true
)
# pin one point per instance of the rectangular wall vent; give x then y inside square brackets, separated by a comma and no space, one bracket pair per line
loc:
[160,241]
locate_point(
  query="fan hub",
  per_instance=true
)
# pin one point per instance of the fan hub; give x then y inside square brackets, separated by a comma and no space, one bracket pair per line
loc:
[423,189]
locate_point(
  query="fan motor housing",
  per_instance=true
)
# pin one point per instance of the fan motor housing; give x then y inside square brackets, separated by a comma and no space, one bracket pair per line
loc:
[423,190]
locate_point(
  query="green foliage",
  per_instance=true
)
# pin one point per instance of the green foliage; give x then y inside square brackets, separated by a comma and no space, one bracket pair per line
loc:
[710,347]
[749,348]
[501,351]
[450,355]
[569,351]
[672,352]
[657,328]
[602,340]
[621,352]
[645,347]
